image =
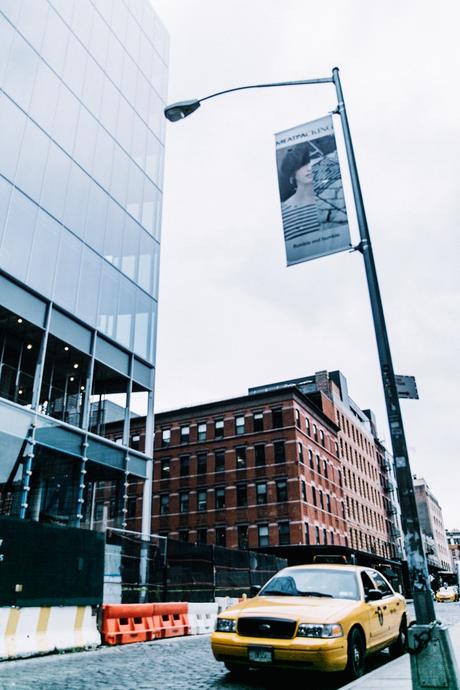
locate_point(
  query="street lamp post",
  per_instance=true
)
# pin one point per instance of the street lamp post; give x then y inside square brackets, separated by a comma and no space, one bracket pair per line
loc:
[432,659]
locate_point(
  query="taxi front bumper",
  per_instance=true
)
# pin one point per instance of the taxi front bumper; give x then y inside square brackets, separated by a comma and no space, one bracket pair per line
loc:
[299,652]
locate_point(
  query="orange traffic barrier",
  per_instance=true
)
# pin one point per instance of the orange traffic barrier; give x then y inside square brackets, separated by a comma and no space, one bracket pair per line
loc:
[126,623]
[171,619]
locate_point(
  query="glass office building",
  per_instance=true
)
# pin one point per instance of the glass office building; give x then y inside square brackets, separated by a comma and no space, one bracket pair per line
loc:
[82,91]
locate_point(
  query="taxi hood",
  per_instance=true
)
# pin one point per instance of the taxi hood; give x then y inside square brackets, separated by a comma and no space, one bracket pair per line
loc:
[307,609]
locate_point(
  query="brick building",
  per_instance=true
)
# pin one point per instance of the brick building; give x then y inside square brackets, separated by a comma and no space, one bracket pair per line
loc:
[257,470]
[295,462]
[368,489]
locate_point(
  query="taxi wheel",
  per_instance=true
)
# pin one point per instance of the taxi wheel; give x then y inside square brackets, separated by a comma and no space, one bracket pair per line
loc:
[399,646]
[235,670]
[356,655]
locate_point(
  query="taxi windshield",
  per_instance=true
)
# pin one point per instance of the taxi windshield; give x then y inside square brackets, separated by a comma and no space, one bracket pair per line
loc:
[313,582]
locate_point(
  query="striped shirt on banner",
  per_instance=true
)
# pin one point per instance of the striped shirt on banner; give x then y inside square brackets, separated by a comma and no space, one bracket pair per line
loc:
[299,220]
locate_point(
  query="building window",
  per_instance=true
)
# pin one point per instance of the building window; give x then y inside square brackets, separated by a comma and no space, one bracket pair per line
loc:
[324,535]
[318,464]
[166,437]
[283,534]
[328,503]
[321,500]
[185,434]
[218,428]
[184,464]
[258,421]
[313,494]
[332,536]
[165,468]
[297,418]
[219,460]
[340,478]
[183,535]
[241,495]
[131,505]
[201,535]
[239,425]
[315,432]
[318,540]
[277,418]
[278,447]
[337,454]
[220,498]
[201,500]
[135,441]
[304,490]
[325,468]
[310,459]
[201,432]
[262,531]
[220,536]
[307,533]
[202,463]
[164,504]
[243,537]
[281,490]
[240,455]
[300,451]
[307,426]
[183,502]
[321,437]
[261,493]
[259,451]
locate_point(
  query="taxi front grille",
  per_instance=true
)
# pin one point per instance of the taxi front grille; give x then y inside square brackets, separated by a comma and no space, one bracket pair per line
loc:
[279,628]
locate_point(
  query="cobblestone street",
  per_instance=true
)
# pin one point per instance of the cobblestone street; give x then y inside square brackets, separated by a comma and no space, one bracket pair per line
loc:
[184,663]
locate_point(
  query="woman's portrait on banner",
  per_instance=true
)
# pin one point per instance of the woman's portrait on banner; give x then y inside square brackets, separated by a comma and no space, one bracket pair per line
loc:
[312,202]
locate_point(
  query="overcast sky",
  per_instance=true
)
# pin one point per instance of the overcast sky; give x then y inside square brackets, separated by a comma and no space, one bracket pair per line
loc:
[231,314]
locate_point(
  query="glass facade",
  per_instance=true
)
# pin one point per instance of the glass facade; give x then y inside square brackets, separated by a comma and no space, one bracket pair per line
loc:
[82,91]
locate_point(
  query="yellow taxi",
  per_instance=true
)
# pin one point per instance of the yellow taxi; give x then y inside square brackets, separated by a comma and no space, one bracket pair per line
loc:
[316,617]
[446,593]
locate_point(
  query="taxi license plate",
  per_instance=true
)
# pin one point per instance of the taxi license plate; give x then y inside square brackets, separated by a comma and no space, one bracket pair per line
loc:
[260,654]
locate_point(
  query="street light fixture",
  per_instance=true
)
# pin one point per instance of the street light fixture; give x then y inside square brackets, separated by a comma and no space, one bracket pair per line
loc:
[432,656]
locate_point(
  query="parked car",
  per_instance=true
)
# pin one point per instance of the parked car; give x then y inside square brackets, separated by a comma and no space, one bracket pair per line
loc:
[317,617]
[447,593]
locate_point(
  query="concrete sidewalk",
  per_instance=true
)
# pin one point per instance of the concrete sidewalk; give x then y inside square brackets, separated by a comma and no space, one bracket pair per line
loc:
[396,675]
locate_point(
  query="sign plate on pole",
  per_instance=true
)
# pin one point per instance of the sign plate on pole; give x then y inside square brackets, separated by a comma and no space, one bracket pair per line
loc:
[406,387]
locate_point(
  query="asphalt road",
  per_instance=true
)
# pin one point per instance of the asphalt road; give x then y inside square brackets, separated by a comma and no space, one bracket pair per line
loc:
[184,663]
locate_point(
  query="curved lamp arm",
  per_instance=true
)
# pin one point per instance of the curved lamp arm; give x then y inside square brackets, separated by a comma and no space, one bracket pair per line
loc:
[177,111]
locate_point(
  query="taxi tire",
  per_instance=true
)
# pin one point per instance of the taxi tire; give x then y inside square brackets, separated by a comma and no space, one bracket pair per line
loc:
[399,646]
[236,670]
[356,655]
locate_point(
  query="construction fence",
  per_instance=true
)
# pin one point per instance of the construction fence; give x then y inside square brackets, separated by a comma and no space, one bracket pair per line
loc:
[163,569]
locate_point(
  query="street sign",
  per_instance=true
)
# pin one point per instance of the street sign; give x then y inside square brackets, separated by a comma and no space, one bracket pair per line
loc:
[406,387]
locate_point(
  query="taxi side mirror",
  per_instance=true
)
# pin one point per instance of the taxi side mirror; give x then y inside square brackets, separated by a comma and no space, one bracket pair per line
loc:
[373,595]
[254,590]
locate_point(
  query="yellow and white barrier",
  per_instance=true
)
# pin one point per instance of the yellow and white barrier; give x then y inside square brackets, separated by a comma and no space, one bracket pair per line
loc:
[202,618]
[37,630]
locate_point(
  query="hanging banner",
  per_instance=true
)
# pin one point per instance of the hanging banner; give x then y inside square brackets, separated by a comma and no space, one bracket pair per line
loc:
[312,202]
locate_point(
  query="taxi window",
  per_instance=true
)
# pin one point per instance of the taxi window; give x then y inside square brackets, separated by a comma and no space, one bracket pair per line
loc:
[367,583]
[382,584]
[314,582]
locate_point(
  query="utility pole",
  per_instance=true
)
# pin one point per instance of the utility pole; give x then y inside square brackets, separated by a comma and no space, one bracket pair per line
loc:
[432,659]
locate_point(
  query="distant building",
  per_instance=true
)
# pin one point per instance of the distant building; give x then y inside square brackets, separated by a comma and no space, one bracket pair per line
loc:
[453,542]
[432,527]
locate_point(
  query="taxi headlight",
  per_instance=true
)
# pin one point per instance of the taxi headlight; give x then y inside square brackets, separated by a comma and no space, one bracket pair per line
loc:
[319,631]
[225,625]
